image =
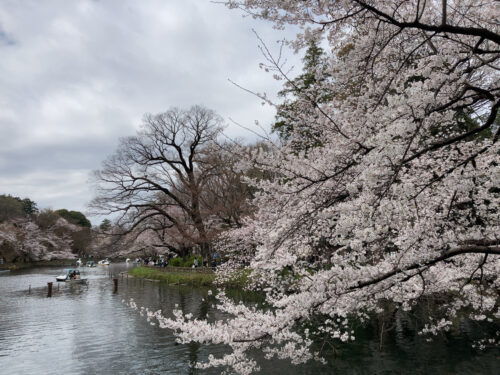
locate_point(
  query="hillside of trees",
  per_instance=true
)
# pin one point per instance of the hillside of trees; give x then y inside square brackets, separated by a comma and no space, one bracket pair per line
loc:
[28,234]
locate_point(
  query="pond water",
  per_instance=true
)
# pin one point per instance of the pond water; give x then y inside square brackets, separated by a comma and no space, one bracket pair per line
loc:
[88,330]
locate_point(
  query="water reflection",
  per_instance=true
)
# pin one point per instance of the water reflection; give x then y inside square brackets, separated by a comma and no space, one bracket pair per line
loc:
[88,330]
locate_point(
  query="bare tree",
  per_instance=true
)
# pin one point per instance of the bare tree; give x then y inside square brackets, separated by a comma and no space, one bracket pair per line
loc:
[159,175]
[226,197]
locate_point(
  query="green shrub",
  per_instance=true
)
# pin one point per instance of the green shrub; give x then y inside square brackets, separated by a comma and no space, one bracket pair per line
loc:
[176,262]
[189,260]
[186,261]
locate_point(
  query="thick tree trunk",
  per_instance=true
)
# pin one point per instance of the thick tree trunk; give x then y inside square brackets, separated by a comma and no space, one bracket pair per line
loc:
[196,216]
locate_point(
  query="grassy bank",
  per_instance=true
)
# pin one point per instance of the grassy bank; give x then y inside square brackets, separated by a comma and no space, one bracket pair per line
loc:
[171,276]
[182,277]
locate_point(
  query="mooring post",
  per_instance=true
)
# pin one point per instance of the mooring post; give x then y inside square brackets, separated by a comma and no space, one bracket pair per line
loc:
[29,289]
[115,281]
[49,289]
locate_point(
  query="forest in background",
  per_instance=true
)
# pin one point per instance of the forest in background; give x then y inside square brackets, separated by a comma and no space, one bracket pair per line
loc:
[28,234]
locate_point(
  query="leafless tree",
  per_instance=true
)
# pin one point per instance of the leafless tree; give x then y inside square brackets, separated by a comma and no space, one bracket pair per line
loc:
[160,175]
[226,197]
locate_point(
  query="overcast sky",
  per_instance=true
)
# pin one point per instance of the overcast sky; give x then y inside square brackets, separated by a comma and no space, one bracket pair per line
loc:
[77,75]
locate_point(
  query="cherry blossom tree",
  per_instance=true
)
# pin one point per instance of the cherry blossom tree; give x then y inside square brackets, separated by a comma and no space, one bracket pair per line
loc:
[399,203]
[24,240]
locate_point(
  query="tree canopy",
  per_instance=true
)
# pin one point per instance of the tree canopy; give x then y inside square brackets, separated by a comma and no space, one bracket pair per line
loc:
[75,217]
[10,207]
[14,207]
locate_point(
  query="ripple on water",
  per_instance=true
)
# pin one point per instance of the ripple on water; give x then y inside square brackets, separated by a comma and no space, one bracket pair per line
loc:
[88,330]
[83,330]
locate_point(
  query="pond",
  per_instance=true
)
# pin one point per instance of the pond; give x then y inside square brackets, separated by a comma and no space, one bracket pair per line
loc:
[87,329]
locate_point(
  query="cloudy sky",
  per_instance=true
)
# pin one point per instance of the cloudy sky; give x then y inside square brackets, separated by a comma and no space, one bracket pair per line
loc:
[78,75]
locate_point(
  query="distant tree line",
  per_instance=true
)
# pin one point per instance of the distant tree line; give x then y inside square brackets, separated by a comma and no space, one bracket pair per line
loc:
[14,207]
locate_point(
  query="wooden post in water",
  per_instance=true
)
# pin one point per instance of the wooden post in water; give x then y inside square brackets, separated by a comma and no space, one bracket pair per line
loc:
[115,281]
[49,289]
[29,289]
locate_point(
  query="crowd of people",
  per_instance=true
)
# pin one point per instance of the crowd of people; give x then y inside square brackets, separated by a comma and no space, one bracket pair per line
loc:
[153,261]
[164,261]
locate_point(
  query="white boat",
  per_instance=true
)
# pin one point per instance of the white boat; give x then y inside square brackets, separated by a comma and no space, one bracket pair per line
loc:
[72,277]
[79,262]
[127,260]
[104,262]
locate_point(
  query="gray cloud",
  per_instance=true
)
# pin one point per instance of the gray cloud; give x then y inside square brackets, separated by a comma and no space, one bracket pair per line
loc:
[77,75]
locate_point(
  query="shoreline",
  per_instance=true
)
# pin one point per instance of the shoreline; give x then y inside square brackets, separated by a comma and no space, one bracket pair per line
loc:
[183,276]
[48,263]
[40,263]
[170,275]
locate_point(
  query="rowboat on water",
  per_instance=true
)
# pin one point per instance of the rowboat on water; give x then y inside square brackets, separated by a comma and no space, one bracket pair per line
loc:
[104,262]
[72,277]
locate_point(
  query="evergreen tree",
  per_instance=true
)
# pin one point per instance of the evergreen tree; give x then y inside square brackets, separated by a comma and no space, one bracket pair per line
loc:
[307,89]
[29,207]
[105,225]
